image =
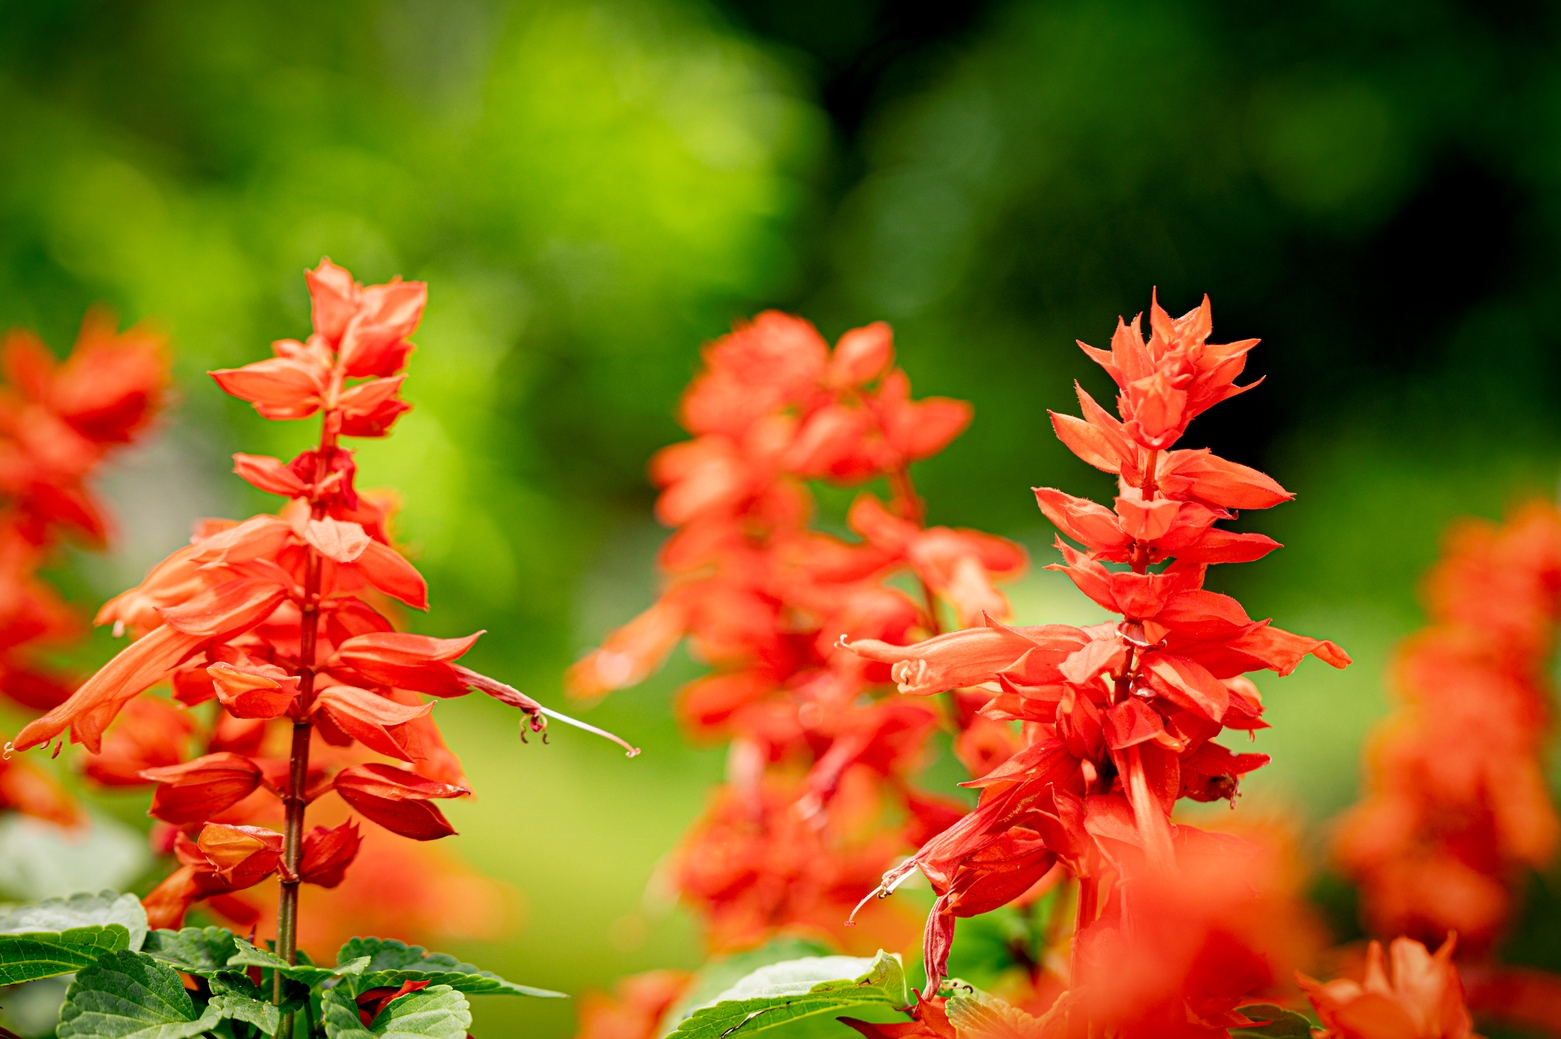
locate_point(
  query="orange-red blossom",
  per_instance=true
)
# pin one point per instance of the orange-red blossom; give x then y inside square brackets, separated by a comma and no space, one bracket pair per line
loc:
[1120,718]
[282,621]
[765,598]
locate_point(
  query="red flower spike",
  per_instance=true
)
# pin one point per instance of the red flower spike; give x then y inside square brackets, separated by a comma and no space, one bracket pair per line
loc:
[397,799]
[197,790]
[1457,810]
[1118,717]
[251,614]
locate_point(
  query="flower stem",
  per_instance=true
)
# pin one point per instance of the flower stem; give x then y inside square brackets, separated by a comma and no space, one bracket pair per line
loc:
[910,506]
[298,760]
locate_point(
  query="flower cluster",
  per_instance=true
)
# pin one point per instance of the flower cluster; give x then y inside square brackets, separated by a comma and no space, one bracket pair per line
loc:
[57,423]
[1458,808]
[1119,718]
[1458,811]
[818,752]
[278,630]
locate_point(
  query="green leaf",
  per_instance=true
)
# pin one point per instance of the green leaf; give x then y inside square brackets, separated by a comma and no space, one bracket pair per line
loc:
[81,910]
[1280,1023]
[392,962]
[307,973]
[46,954]
[263,1015]
[785,992]
[718,975]
[436,1012]
[128,995]
[194,950]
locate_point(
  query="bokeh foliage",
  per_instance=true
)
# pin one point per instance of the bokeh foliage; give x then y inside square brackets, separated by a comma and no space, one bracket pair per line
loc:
[592,189]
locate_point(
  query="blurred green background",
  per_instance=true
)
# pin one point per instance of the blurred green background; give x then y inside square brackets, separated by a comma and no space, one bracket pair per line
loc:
[594,189]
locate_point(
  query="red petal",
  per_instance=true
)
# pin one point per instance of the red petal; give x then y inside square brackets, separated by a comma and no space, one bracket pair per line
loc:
[336,540]
[90,708]
[387,570]
[376,722]
[333,298]
[1199,474]
[269,474]
[278,387]
[861,355]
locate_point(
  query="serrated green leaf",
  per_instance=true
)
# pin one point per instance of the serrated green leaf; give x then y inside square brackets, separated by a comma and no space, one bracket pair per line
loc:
[307,973]
[47,954]
[718,975]
[129,995]
[80,910]
[392,962]
[1280,1023]
[781,993]
[194,950]
[264,1016]
[436,1012]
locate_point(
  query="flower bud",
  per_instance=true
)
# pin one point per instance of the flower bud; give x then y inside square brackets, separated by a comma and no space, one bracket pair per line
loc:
[264,691]
[241,855]
[328,852]
[197,790]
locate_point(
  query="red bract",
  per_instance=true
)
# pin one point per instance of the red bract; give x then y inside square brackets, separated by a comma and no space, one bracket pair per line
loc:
[766,599]
[1118,718]
[281,620]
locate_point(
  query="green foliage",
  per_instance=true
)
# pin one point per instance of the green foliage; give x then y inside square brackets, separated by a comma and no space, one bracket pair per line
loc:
[782,993]
[720,974]
[1278,1023]
[194,950]
[392,962]
[80,910]
[266,1017]
[122,993]
[126,995]
[436,1012]
[46,954]
[304,973]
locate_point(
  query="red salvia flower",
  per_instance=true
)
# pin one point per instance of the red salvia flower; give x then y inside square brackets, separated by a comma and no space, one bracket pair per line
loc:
[1118,718]
[281,621]
[766,599]
[1458,808]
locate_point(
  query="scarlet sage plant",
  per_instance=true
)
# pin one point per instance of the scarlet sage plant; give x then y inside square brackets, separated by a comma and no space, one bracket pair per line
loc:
[280,623]
[1080,740]
[820,748]
[1120,717]
[58,422]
